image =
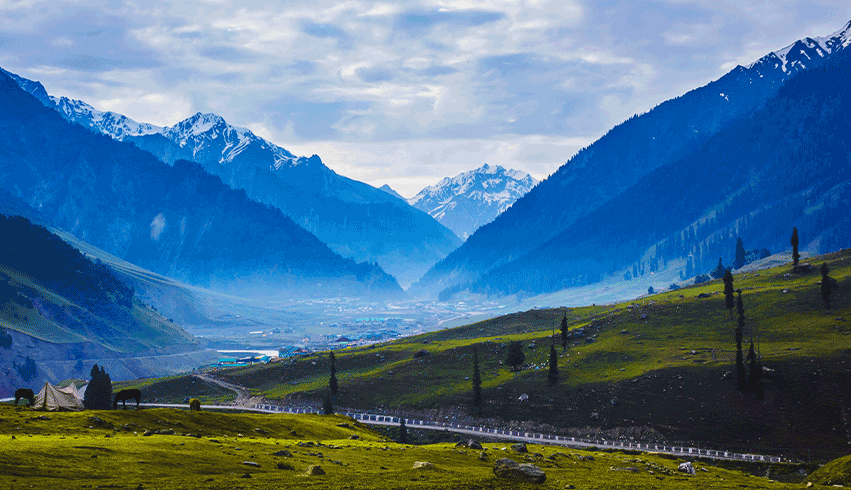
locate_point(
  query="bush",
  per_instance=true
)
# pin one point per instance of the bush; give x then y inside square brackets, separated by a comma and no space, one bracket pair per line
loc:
[283,465]
[701,279]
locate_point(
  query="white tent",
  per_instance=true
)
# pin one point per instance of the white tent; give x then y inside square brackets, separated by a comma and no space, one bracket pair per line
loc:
[52,398]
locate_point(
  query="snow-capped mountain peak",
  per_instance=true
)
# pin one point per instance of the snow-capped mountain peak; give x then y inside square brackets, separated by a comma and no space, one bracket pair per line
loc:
[112,124]
[469,200]
[804,53]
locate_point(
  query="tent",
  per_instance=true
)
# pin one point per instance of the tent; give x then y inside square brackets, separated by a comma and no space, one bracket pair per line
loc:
[53,399]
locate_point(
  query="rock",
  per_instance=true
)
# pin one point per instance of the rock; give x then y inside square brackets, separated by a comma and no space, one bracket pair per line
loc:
[686,468]
[283,453]
[247,475]
[624,331]
[45,417]
[422,353]
[470,444]
[423,465]
[727,376]
[507,468]
[354,437]
[595,415]
[520,448]
[148,432]
[344,425]
[809,484]
[631,469]
[483,456]
[704,295]
[785,291]
[314,470]
[251,463]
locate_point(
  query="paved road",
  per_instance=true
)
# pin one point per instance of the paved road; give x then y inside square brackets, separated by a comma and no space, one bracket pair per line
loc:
[504,434]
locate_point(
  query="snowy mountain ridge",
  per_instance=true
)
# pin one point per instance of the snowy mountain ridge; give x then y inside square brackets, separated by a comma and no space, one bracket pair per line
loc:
[471,199]
[801,54]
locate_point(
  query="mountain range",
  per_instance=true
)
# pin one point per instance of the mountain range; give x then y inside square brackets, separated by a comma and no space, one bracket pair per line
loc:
[469,200]
[176,220]
[640,166]
[354,219]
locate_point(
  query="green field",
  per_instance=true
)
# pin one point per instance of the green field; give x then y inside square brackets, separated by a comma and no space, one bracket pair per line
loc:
[107,449]
[656,367]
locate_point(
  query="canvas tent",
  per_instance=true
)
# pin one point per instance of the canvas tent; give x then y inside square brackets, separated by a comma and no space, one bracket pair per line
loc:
[54,399]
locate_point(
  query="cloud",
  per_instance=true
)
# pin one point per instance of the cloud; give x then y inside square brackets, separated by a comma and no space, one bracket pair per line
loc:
[419,22]
[157,226]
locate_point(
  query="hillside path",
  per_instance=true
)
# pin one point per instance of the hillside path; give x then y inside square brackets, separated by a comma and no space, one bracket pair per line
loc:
[243,395]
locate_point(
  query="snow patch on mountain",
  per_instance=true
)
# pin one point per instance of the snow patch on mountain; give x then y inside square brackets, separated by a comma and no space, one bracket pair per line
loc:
[469,200]
[804,53]
[114,125]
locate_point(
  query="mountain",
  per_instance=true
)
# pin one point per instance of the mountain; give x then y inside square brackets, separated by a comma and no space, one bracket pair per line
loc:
[617,161]
[469,200]
[785,165]
[386,188]
[355,219]
[175,220]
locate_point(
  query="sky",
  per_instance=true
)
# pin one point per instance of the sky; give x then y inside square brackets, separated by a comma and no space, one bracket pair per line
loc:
[399,93]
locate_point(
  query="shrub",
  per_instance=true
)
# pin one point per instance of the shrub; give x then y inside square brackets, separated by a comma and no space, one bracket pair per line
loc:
[283,465]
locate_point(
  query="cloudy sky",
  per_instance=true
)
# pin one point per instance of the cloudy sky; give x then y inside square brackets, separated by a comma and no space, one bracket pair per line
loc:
[400,93]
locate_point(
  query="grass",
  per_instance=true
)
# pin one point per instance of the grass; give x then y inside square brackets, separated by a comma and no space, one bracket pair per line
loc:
[107,449]
[176,389]
[657,362]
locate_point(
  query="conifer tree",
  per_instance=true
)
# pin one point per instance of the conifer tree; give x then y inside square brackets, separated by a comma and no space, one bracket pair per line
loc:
[826,285]
[794,242]
[755,377]
[515,357]
[740,364]
[552,374]
[327,408]
[728,292]
[98,395]
[403,431]
[719,271]
[739,261]
[477,383]
[564,333]
[332,383]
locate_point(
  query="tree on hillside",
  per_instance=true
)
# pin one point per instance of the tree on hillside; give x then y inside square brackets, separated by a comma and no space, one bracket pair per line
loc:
[564,333]
[515,357]
[98,394]
[719,271]
[826,285]
[728,292]
[650,290]
[740,364]
[794,242]
[332,383]
[739,261]
[552,374]
[327,408]
[755,377]
[477,383]
[403,432]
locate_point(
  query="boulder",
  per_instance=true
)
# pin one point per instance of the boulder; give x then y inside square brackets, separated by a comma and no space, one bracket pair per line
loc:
[314,470]
[423,465]
[520,448]
[251,463]
[284,453]
[422,353]
[507,468]
[686,468]
[354,437]
[344,425]
[470,444]
[483,456]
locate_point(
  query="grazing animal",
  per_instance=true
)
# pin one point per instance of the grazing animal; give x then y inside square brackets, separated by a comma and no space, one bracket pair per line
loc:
[124,395]
[26,394]
[194,405]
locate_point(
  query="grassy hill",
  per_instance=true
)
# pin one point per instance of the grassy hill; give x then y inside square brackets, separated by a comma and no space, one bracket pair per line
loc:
[657,363]
[108,449]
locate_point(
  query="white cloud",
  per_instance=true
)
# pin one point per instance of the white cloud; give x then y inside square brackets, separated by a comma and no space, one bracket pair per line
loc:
[158,224]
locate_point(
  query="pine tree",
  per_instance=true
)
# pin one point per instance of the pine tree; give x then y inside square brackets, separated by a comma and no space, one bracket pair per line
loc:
[98,395]
[403,431]
[728,292]
[739,262]
[515,357]
[719,271]
[552,374]
[477,383]
[826,285]
[327,409]
[332,383]
[740,364]
[794,242]
[755,377]
[564,333]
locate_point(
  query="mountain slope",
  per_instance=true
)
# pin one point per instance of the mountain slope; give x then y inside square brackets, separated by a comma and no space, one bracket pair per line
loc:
[617,161]
[786,165]
[342,212]
[469,200]
[178,221]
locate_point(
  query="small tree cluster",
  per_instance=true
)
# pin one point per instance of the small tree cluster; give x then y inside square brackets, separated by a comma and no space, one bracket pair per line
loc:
[98,394]
[515,357]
